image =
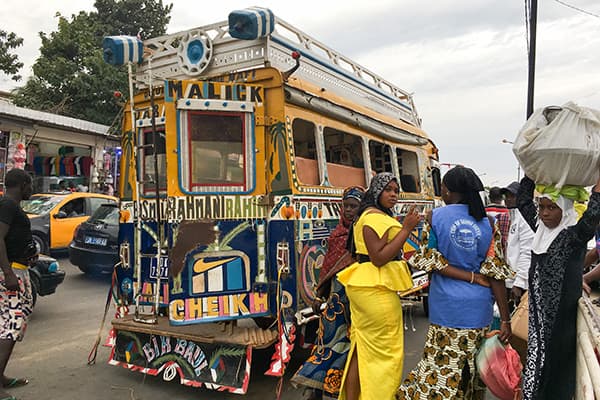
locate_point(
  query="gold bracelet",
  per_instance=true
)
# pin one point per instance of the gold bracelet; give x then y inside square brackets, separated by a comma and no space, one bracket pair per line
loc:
[472,276]
[505,322]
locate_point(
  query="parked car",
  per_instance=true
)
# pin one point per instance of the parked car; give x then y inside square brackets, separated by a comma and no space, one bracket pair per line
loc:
[45,275]
[95,245]
[54,217]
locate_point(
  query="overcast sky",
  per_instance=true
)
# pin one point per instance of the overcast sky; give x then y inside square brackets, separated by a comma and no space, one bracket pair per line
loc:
[465,60]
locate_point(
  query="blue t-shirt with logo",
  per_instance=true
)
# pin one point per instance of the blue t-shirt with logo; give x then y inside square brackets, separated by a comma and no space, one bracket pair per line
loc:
[464,242]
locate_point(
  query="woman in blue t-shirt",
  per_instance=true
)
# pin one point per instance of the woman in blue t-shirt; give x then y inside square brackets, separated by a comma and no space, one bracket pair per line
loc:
[462,250]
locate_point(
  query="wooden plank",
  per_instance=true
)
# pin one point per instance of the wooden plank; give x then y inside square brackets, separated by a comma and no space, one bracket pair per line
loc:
[205,333]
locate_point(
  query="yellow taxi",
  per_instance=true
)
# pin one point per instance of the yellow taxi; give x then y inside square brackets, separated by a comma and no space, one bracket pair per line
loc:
[54,217]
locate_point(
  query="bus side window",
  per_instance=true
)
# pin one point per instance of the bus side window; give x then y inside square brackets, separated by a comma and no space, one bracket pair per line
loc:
[344,156]
[305,152]
[381,157]
[437,181]
[408,166]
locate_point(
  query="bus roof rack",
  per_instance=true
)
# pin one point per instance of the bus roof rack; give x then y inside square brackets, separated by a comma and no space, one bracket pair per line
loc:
[320,65]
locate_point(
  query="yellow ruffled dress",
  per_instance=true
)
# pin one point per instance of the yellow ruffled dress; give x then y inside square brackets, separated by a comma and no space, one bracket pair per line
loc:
[377,330]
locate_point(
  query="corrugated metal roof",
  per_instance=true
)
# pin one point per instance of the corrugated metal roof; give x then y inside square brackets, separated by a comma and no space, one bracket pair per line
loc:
[56,120]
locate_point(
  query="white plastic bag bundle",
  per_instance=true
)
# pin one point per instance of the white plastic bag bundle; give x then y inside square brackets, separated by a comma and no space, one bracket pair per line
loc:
[561,146]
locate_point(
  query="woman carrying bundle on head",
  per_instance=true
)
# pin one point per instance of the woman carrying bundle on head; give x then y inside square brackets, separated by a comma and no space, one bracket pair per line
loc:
[462,249]
[555,284]
[372,282]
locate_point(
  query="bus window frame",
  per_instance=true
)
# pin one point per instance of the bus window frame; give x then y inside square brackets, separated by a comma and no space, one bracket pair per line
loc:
[417,173]
[318,142]
[247,115]
[391,150]
[344,147]
[148,189]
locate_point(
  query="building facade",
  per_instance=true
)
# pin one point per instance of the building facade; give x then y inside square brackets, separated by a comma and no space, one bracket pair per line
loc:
[60,152]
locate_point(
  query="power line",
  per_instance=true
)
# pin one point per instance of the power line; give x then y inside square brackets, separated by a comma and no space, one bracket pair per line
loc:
[577,8]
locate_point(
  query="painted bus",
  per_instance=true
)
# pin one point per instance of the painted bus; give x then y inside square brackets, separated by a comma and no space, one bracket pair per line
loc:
[588,347]
[238,140]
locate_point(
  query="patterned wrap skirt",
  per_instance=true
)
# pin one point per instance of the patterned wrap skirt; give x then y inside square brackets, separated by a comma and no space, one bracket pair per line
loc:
[15,307]
[447,369]
[324,368]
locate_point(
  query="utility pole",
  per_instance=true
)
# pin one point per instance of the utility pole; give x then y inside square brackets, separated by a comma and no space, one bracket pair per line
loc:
[532,40]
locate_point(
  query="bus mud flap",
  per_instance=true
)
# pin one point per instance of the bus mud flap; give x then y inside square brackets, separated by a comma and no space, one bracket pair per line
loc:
[216,366]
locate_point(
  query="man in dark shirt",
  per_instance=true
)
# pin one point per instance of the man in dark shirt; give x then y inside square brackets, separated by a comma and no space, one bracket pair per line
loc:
[17,251]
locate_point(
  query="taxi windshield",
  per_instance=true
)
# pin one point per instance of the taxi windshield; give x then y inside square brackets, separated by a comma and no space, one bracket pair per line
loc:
[40,205]
[106,214]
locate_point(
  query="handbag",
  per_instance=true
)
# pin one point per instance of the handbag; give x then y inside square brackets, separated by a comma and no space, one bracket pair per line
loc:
[519,322]
[519,325]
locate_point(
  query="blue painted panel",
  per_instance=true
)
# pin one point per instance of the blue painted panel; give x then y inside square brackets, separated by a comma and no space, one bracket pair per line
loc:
[235,270]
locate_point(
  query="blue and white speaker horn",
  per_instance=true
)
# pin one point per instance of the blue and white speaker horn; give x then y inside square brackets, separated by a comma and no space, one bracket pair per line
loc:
[119,50]
[251,23]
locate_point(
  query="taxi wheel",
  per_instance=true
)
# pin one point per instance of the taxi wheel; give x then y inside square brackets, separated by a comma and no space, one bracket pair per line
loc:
[40,243]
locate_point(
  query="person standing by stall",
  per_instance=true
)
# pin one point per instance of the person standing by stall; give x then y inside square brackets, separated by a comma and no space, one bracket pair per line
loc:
[323,370]
[17,251]
[376,333]
[555,284]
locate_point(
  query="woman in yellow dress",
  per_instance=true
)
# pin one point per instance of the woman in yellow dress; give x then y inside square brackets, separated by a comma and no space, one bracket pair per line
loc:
[374,366]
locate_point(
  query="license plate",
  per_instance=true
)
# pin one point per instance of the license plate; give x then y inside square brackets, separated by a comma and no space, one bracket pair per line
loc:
[164,268]
[95,240]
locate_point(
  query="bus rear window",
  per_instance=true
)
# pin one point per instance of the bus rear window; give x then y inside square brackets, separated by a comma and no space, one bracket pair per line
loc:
[214,152]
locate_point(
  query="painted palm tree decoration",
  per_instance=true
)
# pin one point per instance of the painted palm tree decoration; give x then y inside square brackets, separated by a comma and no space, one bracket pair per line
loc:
[129,176]
[277,162]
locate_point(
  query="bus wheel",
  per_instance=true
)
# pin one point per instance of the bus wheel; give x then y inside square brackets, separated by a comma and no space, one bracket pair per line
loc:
[265,322]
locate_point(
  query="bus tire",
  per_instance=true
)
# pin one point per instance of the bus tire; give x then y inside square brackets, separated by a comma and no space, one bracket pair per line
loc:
[265,322]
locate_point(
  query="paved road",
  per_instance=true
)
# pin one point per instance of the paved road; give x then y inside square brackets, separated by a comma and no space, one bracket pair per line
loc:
[62,331]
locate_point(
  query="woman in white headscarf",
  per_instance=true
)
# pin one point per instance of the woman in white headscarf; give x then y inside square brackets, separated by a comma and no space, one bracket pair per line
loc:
[555,284]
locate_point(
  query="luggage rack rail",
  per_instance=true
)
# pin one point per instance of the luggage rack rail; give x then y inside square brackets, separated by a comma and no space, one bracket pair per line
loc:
[320,65]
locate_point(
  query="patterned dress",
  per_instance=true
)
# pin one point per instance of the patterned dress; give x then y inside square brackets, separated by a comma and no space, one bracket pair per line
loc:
[555,284]
[324,368]
[447,369]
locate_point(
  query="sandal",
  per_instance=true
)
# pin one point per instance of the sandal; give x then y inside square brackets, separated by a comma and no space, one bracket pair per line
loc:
[14,383]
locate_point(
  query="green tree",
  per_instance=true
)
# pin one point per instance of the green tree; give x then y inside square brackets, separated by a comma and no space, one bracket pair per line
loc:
[9,63]
[70,77]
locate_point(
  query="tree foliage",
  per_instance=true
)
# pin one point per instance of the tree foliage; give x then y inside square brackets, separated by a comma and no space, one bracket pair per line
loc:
[9,63]
[70,77]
